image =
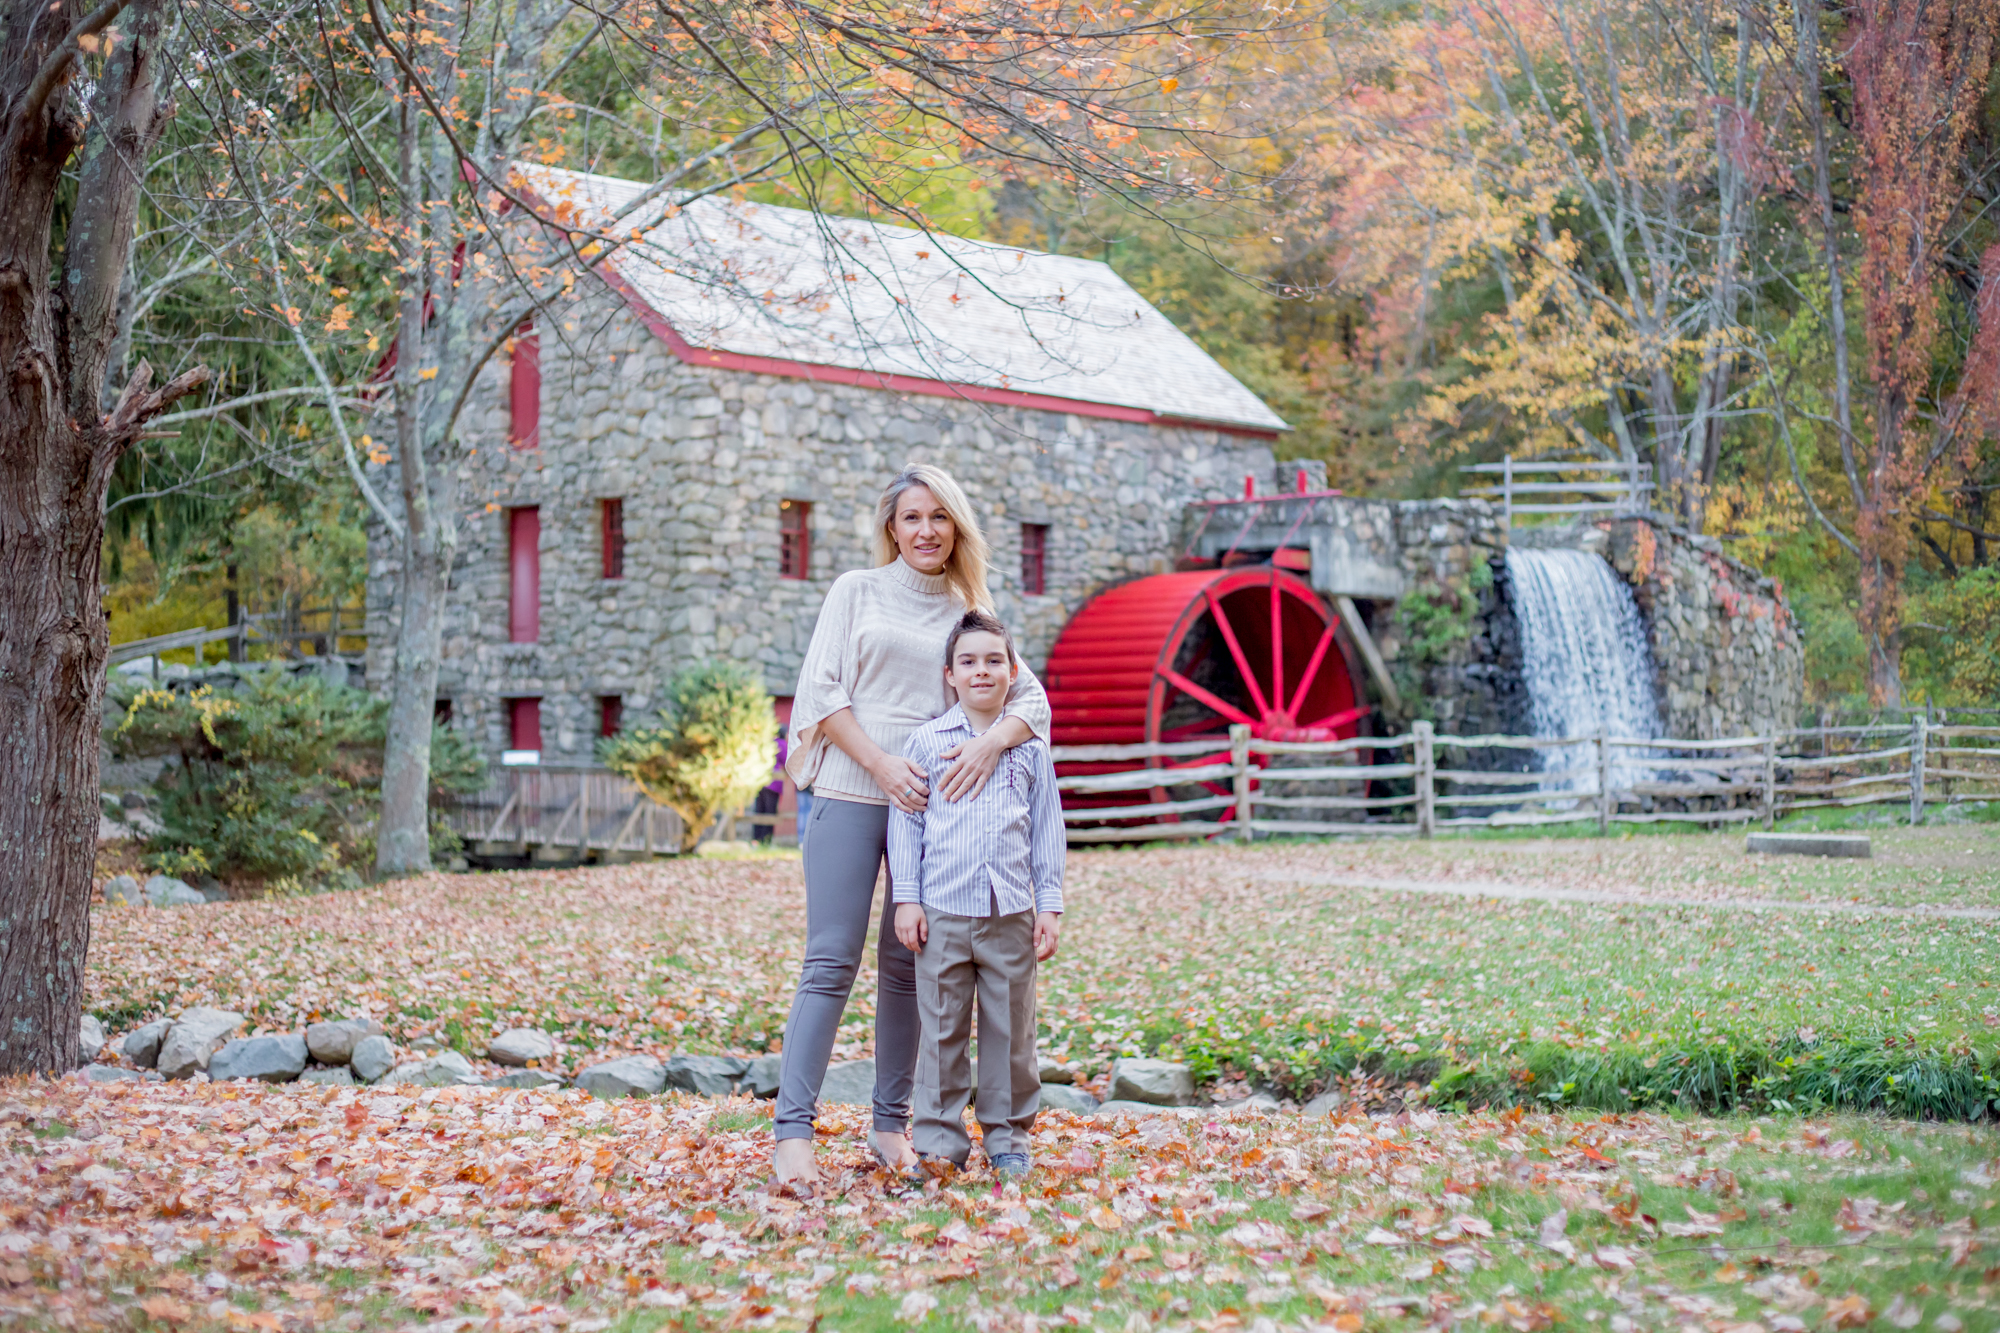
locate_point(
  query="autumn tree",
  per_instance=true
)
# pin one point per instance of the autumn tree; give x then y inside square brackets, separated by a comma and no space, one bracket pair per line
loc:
[1919,70]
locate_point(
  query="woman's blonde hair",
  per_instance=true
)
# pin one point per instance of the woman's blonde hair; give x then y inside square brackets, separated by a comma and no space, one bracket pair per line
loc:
[965,568]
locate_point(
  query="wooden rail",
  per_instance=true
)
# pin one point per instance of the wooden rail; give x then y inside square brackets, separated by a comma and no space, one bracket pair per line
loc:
[570,813]
[1425,782]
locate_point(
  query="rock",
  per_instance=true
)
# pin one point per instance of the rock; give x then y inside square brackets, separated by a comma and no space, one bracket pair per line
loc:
[634,1076]
[850,1083]
[760,1079]
[278,1058]
[340,1076]
[373,1058]
[449,1069]
[333,1042]
[195,1036]
[1809,844]
[517,1046]
[709,1075]
[89,1038]
[1160,1082]
[1325,1104]
[1055,1071]
[143,1047]
[108,1074]
[1143,1108]
[124,891]
[526,1078]
[1067,1097]
[166,891]
[211,891]
[1263,1103]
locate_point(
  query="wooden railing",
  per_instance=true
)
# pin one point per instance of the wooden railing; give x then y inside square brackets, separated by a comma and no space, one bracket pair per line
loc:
[576,812]
[1414,784]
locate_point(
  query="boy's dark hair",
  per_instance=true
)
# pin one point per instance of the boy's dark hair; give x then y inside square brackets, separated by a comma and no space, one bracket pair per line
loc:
[974,622]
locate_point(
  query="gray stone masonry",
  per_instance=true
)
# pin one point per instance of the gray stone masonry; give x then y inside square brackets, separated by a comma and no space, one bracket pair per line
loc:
[701,458]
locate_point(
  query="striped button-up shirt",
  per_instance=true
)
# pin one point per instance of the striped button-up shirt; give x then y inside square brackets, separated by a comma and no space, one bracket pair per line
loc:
[998,852]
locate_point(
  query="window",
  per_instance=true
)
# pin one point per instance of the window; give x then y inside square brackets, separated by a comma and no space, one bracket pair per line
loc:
[611,528]
[524,575]
[524,732]
[524,389]
[794,540]
[1034,549]
[610,712]
[441,712]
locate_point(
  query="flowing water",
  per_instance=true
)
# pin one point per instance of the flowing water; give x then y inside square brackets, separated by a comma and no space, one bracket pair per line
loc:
[1584,652]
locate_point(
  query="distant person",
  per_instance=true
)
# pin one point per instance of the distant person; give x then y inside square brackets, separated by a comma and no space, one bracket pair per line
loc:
[978,890]
[768,798]
[870,678]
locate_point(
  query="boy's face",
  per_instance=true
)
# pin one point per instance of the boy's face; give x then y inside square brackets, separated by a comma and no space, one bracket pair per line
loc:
[980,669]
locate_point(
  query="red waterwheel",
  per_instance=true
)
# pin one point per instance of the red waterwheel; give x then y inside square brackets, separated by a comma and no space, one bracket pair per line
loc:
[1181,657]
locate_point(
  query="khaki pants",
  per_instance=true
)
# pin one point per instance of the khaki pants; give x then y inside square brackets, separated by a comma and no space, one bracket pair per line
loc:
[990,959]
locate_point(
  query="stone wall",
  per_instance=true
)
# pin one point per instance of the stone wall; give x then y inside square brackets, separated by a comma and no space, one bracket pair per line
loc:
[701,458]
[1725,644]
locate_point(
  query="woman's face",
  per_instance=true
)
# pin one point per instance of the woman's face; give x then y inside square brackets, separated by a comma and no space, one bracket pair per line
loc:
[923,530]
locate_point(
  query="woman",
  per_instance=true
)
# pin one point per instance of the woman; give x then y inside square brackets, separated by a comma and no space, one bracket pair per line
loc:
[873,673]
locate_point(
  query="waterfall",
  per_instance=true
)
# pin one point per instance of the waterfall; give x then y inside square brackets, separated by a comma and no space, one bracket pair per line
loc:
[1585,656]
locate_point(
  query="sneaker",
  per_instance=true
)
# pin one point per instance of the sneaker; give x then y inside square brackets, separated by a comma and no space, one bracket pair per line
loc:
[1010,1165]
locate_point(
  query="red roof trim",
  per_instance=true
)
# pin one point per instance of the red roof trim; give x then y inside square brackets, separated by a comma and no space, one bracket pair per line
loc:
[976,393]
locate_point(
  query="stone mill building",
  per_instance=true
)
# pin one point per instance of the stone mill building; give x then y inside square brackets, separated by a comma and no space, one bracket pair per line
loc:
[680,468]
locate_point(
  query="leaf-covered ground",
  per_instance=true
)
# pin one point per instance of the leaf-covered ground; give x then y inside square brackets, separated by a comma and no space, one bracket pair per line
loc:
[198,1206]
[209,1206]
[1261,965]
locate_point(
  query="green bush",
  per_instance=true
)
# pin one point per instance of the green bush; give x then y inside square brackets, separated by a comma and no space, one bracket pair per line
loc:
[1954,632]
[274,780]
[713,750]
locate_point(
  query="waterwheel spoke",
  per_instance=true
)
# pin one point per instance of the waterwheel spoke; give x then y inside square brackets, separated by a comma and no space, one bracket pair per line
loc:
[1218,703]
[1208,726]
[1236,651]
[1277,640]
[1311,671]
[1339,719]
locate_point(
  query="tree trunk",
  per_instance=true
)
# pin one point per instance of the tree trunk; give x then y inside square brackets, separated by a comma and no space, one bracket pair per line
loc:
[403,838]
[57,450]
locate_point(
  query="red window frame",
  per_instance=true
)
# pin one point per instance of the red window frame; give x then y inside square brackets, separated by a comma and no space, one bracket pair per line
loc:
[524,389]
[794,539]
[524,724]
[610,713]
[611,536]
[524,574]
[1034,558]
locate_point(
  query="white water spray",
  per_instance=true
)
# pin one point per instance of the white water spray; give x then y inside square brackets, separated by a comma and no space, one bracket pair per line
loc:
[1585,656]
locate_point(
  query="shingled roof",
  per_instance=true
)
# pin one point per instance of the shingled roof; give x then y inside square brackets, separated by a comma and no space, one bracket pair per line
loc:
[787,291]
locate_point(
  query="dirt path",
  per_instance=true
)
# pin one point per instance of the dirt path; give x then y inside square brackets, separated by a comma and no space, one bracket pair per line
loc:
[1544,893]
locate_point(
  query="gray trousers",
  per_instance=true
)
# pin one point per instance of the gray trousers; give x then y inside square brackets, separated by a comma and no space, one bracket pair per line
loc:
[990,960]
[848,846]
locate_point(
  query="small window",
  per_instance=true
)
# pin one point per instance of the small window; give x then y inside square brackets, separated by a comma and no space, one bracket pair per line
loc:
[524,388]
[611,527]
[441,712]
[794,539]
[524,731]
[524,575]
[610,712]
[1034,552]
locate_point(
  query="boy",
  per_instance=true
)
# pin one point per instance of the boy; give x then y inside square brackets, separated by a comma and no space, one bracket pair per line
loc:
[978,888]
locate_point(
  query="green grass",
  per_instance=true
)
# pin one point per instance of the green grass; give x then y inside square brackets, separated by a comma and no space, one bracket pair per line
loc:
[1495,1001]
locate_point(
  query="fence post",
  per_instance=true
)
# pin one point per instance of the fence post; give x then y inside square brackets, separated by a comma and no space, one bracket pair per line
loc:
[583,817]
[1603,783]
[1507,492]
[1239,758]
[1918,730]
[1426,779]
[1770,781]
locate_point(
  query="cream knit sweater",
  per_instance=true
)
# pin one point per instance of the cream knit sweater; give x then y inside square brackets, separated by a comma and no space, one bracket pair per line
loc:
[879,649]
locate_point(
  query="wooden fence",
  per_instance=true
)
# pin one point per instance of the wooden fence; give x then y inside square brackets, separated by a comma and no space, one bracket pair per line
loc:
[1414,784]
[568,813]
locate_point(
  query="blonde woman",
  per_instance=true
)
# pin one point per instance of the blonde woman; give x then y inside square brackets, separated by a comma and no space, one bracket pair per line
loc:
[873,673]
